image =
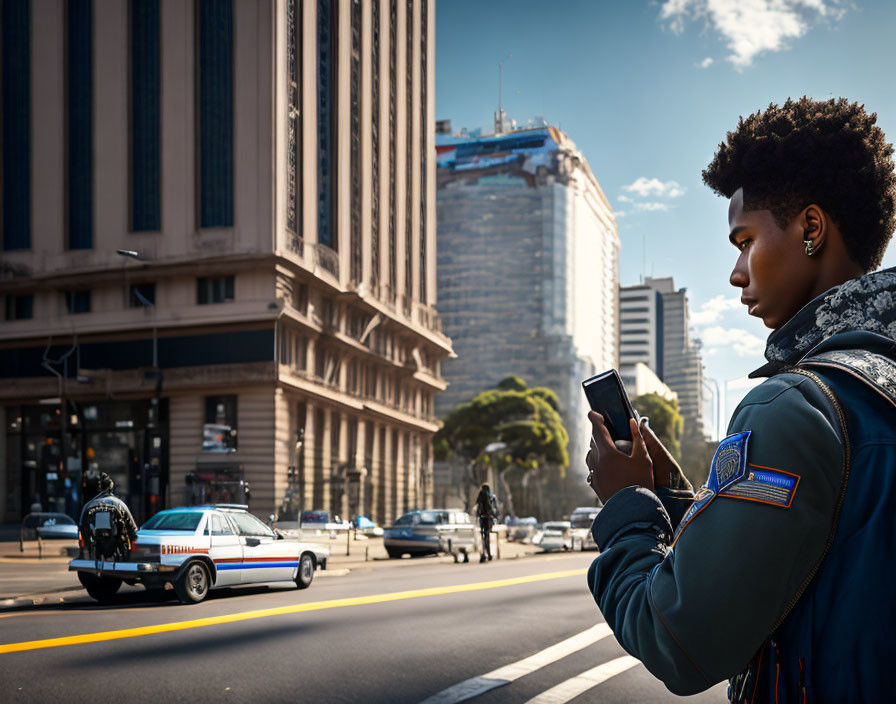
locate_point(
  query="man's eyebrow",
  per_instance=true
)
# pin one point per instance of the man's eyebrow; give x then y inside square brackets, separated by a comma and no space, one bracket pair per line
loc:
[732,236]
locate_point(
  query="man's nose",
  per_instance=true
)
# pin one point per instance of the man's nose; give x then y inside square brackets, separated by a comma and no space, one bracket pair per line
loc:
[738,278]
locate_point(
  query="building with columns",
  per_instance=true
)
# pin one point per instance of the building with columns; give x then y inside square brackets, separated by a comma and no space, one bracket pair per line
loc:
[218,254]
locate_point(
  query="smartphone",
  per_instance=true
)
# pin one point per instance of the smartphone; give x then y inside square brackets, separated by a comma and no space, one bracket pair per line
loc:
[607,396]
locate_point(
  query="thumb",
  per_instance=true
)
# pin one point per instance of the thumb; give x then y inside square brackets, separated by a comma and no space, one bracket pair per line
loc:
[639,448]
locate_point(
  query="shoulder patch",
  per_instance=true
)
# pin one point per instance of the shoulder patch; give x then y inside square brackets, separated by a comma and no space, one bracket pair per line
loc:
[729,464]
[765,485]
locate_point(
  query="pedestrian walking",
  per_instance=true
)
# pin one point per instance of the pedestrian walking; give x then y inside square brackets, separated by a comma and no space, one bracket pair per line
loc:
[486,513]
[777,574]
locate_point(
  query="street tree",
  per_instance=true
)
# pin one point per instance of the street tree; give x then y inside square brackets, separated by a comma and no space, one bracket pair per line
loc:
[665,419]
[513,429]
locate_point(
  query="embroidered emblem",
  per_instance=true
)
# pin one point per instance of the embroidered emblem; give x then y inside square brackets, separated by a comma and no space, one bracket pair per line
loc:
[765,485]
[730,461]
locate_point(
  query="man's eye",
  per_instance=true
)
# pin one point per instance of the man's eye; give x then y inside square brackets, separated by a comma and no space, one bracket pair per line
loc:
[742,245]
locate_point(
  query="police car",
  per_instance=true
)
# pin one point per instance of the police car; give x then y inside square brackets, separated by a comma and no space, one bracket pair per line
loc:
[199,548]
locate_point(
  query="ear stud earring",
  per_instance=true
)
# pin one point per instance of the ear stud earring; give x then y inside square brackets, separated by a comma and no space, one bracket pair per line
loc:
[809,249]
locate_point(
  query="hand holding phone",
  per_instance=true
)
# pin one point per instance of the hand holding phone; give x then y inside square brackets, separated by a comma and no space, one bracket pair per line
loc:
[607,396]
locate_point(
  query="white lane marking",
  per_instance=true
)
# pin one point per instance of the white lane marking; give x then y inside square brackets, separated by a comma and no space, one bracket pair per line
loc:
[505,675]
[566,691]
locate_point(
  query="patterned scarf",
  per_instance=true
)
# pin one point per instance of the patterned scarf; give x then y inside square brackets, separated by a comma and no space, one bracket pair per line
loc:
[866,303]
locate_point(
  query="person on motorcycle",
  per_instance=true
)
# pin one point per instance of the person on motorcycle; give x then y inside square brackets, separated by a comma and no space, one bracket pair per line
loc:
[107,528]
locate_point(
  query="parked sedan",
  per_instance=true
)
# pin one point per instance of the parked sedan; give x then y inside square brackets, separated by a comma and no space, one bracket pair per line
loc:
[580,521]
[199,548]
[554,535]
[432,531]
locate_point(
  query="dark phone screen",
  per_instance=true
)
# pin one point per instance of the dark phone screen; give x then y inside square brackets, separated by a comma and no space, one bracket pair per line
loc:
[606,396]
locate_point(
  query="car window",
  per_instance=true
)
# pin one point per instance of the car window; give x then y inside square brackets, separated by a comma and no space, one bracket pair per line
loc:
[174,520]
[219,525]
[247,524]
[406,520]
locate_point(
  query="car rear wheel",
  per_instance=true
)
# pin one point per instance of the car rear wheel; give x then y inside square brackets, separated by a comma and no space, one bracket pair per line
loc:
[305,572]
[102,589]
[193,583]
[393,554]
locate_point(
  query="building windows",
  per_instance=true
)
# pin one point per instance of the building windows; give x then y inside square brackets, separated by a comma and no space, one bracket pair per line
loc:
[424,152]
[77,301]
[79,142]
[219,434]
[409,140]
[146,210]
[293,349]
[15,59]
[393,136]
[214,289]
[142,295]
[20,307]
[294,116]
[355,143]
[215,46]
[375,144]
[326,120]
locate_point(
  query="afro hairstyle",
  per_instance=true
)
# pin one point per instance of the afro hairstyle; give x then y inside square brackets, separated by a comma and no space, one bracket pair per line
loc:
[830,153]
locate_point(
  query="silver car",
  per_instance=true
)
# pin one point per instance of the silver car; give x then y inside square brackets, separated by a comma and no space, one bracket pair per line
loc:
[581,520]
[554,535]
[429,532]
[199,548]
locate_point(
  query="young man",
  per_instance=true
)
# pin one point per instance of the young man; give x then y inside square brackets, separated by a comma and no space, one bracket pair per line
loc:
[778,574]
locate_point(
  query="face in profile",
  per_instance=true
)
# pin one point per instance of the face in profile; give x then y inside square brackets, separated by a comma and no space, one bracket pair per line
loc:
[775,276]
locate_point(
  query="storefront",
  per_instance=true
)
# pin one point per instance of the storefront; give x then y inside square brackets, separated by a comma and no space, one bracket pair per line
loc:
[54,462]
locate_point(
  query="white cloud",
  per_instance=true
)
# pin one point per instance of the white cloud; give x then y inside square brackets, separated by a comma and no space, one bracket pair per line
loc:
[645,187]
[744,344]
[750,27]
[712,310]
[706,63]
[620,213]
[624,199]
[652,207]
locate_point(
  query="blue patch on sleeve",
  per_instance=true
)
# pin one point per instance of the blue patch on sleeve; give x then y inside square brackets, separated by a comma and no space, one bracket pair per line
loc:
[729,464]
[765,485]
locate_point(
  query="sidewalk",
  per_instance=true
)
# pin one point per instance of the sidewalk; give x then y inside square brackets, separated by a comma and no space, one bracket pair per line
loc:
[28,579]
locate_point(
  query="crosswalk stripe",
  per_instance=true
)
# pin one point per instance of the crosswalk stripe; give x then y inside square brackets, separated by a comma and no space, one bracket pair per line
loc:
[505,675]
[571,688]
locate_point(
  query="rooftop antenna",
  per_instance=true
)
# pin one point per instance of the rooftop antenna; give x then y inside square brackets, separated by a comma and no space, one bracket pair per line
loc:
[499,116]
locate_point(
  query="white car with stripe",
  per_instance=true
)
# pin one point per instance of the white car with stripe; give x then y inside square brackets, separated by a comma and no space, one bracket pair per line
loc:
[198,548]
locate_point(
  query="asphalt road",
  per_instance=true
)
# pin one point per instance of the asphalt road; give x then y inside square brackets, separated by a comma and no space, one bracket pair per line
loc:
[400,634]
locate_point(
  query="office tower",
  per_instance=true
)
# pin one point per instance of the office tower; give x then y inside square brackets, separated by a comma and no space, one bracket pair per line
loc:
[527,269]
[267,332]
[654,331]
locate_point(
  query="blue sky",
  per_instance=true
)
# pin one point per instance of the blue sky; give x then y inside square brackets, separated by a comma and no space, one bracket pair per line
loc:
[647,89]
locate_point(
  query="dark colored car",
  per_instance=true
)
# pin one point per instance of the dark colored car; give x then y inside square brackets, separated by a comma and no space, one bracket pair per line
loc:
[431,531]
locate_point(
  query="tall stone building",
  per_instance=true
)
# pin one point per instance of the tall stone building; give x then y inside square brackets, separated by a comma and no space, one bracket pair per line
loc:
[266,331]
[527,269]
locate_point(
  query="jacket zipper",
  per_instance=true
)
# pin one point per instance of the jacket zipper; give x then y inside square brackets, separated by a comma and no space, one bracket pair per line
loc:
[839,505]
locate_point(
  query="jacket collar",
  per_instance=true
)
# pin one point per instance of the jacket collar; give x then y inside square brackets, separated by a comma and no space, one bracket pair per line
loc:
[865,304]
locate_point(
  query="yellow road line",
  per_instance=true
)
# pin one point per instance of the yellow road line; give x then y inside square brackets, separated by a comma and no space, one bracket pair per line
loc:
[279,611]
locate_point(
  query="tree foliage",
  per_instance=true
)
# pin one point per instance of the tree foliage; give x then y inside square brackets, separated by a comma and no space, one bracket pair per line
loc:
[526,421]
[665,419]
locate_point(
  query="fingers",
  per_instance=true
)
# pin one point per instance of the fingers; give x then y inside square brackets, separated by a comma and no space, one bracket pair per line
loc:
[651,440]
[639,447]
[600,436]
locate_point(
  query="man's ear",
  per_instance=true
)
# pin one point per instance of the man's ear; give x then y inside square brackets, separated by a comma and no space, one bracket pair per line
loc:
[815,224]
